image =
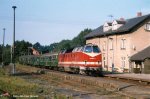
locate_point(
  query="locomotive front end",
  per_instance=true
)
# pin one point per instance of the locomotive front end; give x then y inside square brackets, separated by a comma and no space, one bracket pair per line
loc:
[92,58]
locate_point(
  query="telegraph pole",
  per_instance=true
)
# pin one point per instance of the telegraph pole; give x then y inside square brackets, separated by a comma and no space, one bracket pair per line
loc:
[3,47]
[14,67]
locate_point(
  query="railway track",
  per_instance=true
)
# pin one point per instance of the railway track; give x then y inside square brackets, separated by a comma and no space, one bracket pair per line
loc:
[136,81]
[114,84]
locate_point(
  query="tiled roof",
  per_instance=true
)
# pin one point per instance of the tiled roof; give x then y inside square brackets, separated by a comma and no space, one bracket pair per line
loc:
[129,25]
[140,56]
[120,22]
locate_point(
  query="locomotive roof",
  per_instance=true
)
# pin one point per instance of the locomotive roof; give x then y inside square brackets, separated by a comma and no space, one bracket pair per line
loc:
[69,50]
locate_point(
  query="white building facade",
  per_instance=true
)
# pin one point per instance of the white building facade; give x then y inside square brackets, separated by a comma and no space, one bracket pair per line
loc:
[120,40]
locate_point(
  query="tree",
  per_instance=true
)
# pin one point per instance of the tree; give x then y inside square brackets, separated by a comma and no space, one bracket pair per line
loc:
[21,48]
[80,40]
[38,47]
[7,54]
[0,53]
[53,47]
[67,44]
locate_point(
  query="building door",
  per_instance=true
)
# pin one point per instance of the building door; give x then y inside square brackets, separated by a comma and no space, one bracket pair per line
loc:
[138,67]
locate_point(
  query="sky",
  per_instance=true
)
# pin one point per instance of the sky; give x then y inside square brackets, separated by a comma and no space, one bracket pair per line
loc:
[49,21]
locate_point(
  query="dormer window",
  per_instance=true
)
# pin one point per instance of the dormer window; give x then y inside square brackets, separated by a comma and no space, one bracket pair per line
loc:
[117,24]
[107,26]
[147,26]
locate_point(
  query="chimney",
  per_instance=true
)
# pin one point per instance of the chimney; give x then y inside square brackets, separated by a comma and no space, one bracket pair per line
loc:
[139,14]
[121,19]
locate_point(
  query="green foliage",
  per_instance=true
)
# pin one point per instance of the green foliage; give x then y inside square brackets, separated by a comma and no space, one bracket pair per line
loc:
[15,85]
[0,53]
[80,40]
[6,54]
[38,46]
[21,47]
[76,41]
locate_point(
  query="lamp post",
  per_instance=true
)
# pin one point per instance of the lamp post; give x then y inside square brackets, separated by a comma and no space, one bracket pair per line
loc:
[3,47]
[13,71]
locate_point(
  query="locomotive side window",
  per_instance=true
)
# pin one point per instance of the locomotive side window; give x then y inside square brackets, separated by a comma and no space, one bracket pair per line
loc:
[96,49]
[88,49]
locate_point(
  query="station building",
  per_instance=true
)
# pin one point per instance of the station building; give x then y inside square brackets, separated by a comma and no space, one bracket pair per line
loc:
[120,40]
[141,61]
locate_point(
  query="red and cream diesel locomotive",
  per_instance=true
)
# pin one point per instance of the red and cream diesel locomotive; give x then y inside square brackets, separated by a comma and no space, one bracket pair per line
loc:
[86,59]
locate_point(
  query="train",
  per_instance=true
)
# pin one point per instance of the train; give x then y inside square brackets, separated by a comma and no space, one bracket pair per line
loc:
[85,59]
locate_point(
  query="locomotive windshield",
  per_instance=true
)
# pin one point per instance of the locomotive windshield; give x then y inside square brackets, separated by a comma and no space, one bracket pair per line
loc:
[90,49]
[96,49]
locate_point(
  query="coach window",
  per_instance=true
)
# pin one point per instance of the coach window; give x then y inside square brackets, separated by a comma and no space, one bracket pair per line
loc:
[88,49]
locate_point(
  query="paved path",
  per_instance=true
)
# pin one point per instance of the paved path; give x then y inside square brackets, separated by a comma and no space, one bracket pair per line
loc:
[144,77]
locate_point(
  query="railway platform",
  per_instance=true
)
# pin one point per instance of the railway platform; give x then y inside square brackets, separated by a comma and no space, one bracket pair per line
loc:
[131,76]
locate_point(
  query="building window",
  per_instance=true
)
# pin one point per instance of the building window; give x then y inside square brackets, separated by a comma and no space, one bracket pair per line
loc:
[123,42]
[123,62]
[147,26]
[111,43]
[104,59]
[104,46]
[110,62]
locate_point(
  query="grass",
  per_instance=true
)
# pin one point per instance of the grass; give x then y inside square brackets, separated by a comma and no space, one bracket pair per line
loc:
[15,85]
[20,88]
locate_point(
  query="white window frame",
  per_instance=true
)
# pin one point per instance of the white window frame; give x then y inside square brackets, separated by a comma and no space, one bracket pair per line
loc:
[147,26]
[123,44]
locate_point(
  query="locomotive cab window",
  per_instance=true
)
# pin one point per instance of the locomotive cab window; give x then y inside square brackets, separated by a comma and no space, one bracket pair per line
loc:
[96,49]
[88,49]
